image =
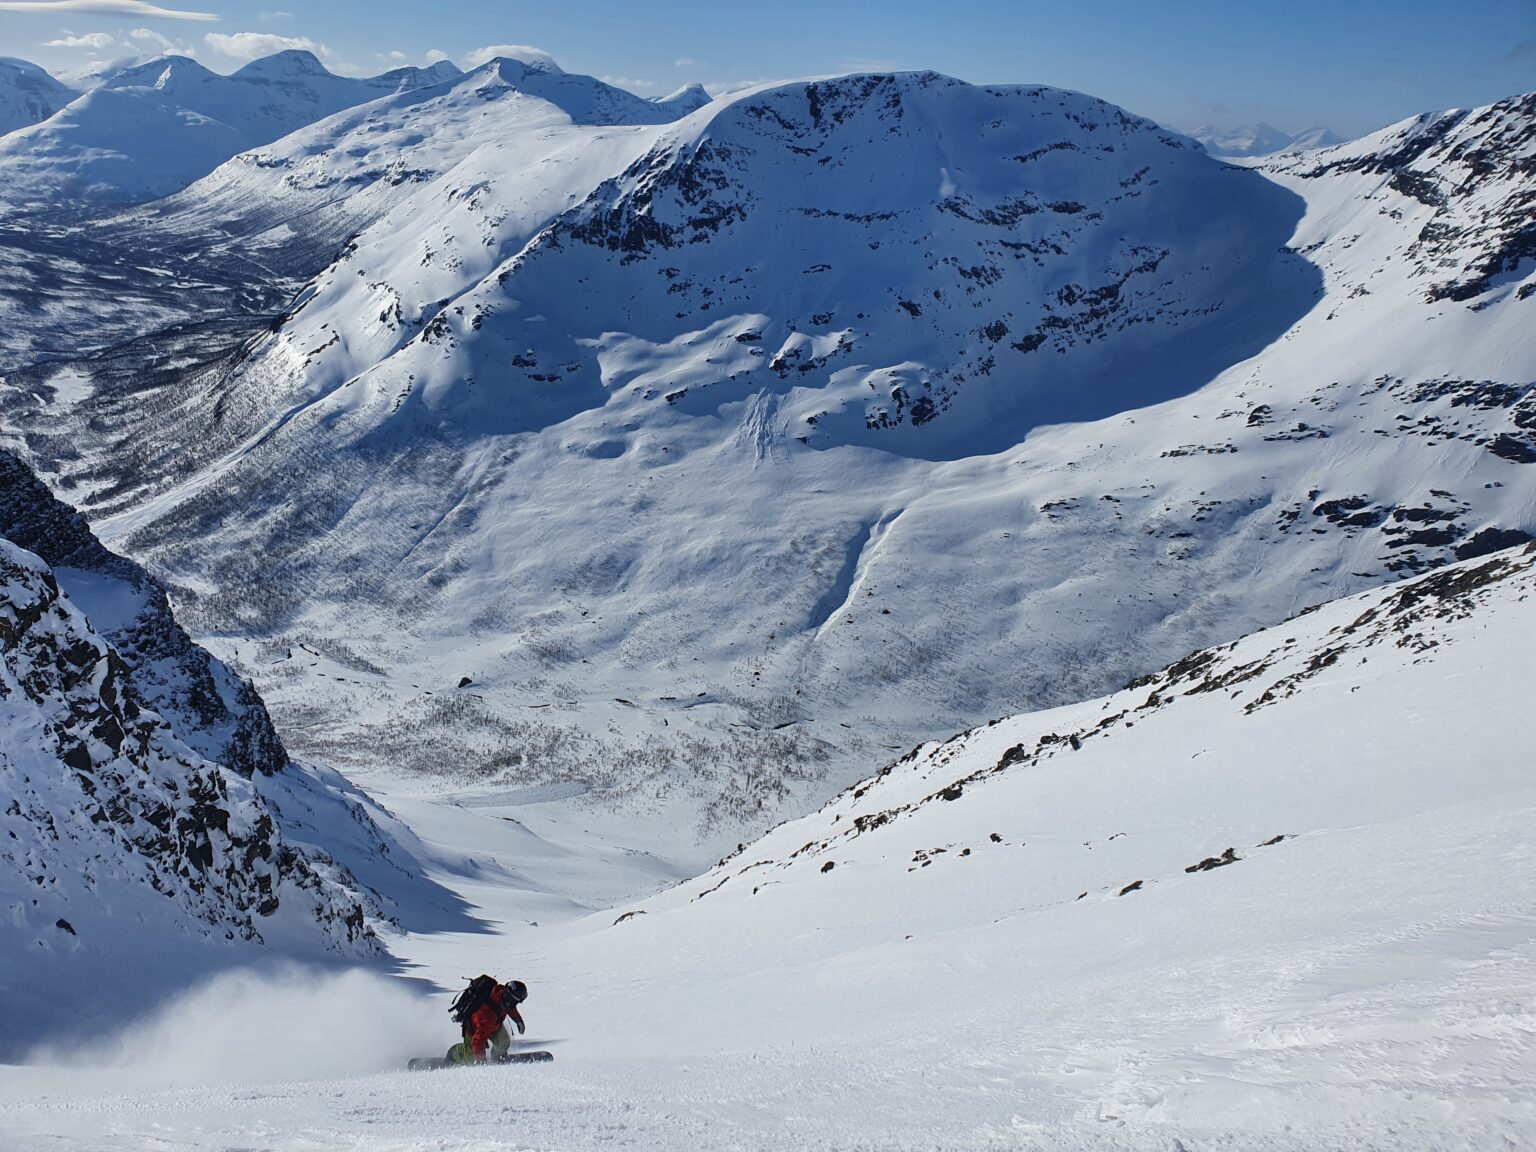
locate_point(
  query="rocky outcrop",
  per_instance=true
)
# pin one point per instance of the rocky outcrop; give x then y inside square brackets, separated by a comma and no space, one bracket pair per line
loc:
[131,762]
[217,713]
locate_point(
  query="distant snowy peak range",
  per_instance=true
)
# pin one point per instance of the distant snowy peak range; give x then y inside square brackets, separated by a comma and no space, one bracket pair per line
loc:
[153,126]
[1262,140]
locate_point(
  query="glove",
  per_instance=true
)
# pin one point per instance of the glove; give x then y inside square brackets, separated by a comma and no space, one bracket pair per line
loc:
[521,1027]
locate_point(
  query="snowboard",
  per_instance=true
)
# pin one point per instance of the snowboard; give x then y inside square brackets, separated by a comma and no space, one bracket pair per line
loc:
[435,1063]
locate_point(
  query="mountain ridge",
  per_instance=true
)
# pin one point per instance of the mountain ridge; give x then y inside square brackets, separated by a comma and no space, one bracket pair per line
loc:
[867,578]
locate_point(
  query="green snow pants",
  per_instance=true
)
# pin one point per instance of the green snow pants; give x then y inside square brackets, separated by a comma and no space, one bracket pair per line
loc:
[463,1052]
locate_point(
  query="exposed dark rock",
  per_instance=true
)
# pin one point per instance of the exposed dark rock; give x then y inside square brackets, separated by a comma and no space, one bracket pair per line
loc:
[1491,540]
[187,685]
[1228,857]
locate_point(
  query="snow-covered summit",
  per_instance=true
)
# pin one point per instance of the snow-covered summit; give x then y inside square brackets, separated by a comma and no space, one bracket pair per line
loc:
[689,98]
[929,307]
[28,94]
[283,66]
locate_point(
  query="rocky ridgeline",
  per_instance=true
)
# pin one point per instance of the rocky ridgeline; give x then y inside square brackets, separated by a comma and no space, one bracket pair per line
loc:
[1474,169]
[130,759]
[216,713]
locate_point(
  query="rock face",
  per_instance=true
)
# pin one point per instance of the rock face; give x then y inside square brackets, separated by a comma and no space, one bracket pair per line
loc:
[92,774]
[217,713]
[138,781]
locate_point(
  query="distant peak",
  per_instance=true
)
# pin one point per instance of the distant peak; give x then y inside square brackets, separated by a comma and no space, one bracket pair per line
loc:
[291,62]
[512,60]
[155,71]
[695,95]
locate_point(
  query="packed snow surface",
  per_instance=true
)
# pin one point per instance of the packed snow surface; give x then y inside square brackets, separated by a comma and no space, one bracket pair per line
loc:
[1276,897]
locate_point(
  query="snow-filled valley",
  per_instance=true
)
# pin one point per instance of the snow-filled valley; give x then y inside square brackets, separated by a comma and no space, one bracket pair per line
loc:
[522,495]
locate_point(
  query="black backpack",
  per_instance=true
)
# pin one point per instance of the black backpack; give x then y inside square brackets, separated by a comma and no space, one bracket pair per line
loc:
[472,999]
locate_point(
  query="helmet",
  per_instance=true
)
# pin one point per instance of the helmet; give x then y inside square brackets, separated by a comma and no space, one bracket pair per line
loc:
[513,993]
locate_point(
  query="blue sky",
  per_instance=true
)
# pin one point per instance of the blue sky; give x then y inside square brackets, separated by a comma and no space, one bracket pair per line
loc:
[1353,65]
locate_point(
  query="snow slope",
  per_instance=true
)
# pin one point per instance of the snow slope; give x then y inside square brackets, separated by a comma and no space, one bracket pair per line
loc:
[242,241]
[28,94]
[1274,897]
[152,128]
[155,828]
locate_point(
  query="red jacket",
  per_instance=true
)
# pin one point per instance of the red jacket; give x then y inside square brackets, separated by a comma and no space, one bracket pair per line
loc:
[486,1022]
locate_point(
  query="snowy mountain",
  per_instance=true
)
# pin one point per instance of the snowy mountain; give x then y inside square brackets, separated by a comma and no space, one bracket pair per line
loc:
[1262,140]
[344,173]
[28,94]
[152,815]
[152,128]
[689,464]
[599,482]
[689,98]
[242,241]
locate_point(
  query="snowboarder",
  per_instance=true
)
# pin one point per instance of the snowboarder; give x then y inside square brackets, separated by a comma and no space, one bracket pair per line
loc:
[484,1020]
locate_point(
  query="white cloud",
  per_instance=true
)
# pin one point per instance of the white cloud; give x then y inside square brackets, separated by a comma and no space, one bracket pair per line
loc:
[103,7]
[437,56]
[148,37]
[511,52]
[627,82]
[685,62]
[248,46]
[269,16]
[95,41]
